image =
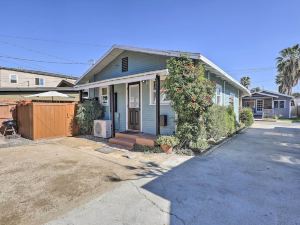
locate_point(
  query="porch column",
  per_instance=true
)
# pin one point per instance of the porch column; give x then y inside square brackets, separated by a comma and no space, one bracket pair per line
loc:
[112,109]
[157,81]
[80,96]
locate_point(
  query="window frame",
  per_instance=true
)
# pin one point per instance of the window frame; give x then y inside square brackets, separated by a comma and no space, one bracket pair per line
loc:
[40,78]
[10,76]
[221,94]
[152,90]
[101,95]
[278,104]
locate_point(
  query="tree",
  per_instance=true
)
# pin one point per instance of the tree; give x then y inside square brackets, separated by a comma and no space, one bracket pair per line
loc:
[288,69]
[256,89]
[245,81]
[191,95]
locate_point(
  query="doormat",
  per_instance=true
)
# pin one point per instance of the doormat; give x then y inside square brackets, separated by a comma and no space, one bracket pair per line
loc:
[105,150]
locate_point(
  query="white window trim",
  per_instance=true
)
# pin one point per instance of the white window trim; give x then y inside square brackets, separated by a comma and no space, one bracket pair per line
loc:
[284,106]
[150,94]
[100,96]
[16,78]
[40,78]
[221,93]
[88,93]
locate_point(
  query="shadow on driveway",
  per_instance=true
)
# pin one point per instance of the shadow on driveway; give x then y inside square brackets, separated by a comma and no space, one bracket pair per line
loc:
[253,179]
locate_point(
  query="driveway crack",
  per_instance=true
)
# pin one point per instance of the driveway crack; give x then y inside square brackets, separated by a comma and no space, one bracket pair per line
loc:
[156,205]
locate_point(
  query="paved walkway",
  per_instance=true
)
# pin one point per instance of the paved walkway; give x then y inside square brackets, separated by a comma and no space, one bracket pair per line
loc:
[252,179]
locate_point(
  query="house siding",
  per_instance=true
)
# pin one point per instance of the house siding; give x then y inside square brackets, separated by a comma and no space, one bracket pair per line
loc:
[140,63]
[137,63]
[229,89]
[149,114]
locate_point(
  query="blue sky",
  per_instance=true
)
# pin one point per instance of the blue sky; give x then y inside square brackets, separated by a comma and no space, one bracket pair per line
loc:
[242,37]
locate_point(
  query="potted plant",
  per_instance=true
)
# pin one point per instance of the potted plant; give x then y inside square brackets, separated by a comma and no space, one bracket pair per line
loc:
[167,143]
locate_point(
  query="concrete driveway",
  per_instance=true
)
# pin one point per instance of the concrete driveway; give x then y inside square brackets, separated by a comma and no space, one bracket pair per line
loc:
[252,179]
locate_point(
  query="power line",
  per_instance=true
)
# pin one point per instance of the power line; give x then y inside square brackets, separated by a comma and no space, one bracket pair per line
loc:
[32,50]
[42,61]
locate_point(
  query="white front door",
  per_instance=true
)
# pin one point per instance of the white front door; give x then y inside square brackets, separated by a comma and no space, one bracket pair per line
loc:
[259,106]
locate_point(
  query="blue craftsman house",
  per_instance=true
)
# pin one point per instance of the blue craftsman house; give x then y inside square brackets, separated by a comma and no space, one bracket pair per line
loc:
[127,82]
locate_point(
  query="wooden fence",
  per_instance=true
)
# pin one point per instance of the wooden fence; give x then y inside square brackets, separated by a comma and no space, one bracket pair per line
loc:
[7,112]
[46,120]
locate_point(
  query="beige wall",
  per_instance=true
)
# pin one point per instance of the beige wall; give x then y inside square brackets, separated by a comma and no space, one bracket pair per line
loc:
[28,79]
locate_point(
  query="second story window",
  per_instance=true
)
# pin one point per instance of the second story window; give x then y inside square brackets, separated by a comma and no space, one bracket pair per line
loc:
[40,81]
[13,79]
[125,64]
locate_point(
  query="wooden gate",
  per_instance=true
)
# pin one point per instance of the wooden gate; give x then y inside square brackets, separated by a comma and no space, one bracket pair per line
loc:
[46,120]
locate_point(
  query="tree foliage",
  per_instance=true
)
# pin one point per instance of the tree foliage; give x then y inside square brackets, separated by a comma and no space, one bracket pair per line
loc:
[288,69]
[191,95]
[87,112]
[245,81]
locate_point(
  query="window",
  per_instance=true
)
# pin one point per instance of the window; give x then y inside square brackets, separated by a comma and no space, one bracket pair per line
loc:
[40,81]
[292,103]
[13,79]
[125,64]
[219,94]
[85,94]
[279,104]
[163,96]
[104,96]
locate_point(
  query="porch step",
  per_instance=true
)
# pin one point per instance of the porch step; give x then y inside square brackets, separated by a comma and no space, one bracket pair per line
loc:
[122,141]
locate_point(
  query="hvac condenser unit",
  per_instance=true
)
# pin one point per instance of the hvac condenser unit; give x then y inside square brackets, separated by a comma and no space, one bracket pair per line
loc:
[102,128]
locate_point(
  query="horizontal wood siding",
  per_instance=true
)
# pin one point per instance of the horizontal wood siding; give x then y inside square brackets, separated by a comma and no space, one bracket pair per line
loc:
[137,63]
[149,114]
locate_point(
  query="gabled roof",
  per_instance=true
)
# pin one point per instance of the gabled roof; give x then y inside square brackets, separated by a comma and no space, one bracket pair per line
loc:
[277,93]
[116,50]
[267,93]
[39,72]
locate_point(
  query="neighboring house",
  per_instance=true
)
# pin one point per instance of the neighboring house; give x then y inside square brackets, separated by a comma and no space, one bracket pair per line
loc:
[14,77]
[269,104]
[125,81]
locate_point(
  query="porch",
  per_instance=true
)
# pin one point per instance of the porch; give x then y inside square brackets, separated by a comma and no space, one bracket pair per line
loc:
[261,107]
[136,107]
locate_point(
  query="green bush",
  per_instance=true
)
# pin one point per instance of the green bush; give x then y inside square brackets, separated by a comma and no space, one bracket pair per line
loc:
[215,120]
[246,116]
[168,140]
[87,112]
[191,95]
[146,149]
[230,121]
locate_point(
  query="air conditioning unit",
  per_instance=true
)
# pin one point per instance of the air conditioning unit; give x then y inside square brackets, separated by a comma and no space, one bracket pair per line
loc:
[102,128]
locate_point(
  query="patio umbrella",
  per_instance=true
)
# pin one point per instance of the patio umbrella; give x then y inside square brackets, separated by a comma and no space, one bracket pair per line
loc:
[51,94]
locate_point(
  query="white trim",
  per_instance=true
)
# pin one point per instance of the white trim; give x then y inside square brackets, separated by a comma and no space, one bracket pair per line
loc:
[124,79]
[120,48]
[100,95]
[262,93]
[262,108]
[221,92]
[151,82]
[284,106]
[141,106]
[17,79]
[290,109]
[224,93]
[126,106]
[40,78]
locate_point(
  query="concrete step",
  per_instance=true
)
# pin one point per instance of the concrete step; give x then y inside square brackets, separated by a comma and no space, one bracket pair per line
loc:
[122,141]
[141,139]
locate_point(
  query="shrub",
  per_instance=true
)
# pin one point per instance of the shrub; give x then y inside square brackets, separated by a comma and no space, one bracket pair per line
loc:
[215,120]
[246,116]
[184,151]
[230,121]
[168,140]
[87,112]
[191,95]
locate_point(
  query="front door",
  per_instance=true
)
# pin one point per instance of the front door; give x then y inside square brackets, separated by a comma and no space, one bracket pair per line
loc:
[134,106]
[259,106]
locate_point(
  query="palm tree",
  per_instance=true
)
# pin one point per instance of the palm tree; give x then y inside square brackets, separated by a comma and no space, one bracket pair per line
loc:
[245,81]
[288,69]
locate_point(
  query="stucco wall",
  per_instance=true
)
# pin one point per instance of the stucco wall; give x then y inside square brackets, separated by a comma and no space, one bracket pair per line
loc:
[28,79]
